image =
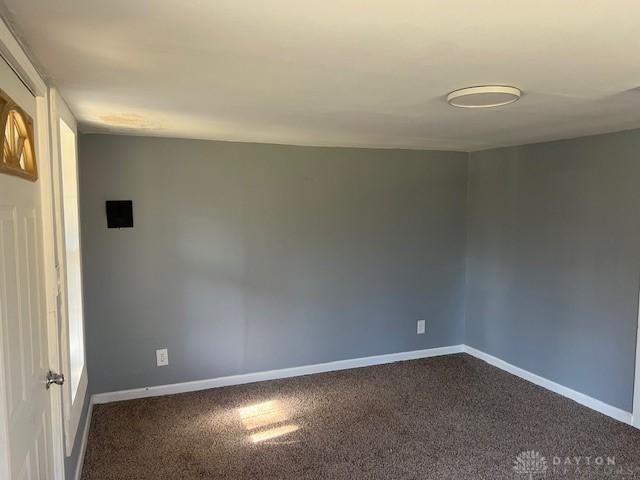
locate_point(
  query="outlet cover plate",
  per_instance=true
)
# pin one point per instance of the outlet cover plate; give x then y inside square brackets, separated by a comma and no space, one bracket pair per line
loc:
[421,327]
[162,357]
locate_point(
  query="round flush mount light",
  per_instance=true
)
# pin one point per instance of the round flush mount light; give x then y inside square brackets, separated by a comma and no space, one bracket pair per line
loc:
[486,96]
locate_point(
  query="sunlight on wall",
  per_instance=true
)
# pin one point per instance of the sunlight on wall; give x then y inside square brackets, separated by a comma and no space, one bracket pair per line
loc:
[69,163]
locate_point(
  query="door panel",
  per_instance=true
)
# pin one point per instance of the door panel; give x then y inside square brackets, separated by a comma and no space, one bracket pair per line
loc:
[25,414]
[23,339]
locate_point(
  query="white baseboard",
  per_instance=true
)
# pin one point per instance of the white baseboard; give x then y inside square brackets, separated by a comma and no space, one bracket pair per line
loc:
[159,390]
[272,374]
[85,438]
[581,398]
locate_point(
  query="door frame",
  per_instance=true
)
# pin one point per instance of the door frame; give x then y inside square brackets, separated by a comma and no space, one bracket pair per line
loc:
[18,60]
[636,384]
[71,409]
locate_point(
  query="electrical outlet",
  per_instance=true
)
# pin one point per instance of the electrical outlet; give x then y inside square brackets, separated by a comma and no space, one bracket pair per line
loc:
[162,357]
[421,327]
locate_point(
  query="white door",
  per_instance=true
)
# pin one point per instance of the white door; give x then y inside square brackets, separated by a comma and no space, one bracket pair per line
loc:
[25,412]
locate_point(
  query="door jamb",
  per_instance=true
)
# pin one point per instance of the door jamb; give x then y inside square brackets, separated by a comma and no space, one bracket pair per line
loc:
[636,384]
[13,53]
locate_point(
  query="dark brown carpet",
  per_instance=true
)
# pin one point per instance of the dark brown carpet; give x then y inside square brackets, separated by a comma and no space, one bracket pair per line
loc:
[451,417]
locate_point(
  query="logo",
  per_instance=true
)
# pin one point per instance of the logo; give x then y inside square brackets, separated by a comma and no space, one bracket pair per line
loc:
[530,463]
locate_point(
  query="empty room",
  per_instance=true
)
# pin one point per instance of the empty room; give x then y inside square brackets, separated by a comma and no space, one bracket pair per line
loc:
[286,240]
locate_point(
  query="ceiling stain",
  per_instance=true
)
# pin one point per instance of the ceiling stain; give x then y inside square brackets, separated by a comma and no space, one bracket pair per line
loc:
[128,120]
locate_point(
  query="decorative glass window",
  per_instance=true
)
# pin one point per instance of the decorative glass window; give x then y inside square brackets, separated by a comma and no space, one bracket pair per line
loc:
[18,155]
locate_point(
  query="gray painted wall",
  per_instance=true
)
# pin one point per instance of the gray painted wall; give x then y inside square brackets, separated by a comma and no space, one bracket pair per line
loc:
[553,260]
[249,257]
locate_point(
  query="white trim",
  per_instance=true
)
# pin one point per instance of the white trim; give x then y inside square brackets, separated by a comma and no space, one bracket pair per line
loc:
[581,398]
[71,409]
[50,277]
[272,374]
[636,383]
[12,51]
[15,56]
[5,458]
[83,444]
[71,414]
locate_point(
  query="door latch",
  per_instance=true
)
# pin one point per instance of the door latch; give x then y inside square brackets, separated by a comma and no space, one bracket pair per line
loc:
[52,377]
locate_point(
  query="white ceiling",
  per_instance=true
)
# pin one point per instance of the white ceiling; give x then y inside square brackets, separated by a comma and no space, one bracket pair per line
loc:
[339,72]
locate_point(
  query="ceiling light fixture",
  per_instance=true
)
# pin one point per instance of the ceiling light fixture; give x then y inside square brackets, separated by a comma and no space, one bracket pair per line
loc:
[485,96]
